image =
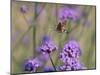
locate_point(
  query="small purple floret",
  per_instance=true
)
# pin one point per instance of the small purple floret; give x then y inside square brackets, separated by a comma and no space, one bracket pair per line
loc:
[31,65]
[47,45]
[24,9]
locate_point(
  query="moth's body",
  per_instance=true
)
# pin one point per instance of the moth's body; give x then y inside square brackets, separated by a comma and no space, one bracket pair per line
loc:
[61,27]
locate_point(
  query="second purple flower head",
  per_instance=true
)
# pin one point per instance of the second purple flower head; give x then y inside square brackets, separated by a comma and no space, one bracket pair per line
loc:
[72,48]
[47,45]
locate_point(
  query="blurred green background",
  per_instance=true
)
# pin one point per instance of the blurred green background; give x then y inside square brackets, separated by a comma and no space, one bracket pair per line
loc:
[41,19]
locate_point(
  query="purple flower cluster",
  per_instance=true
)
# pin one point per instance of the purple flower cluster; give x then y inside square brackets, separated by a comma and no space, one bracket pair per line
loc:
[31,65]
[66,13]
[47,45]
[24,9]
[70,56]
[72,48]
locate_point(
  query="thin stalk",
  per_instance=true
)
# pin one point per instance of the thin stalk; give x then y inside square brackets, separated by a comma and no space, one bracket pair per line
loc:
[25,18]
[52,62]
[34,31]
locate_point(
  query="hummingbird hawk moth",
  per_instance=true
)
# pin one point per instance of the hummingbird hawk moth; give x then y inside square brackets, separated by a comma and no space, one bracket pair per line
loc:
[61,27]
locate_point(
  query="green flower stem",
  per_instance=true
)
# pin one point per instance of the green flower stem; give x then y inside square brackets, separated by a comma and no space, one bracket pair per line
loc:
[34,31]
[25,18]
[52,62]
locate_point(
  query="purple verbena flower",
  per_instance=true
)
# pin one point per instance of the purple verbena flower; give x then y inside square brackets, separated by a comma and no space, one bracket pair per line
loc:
[70,56]
[31,65]
[72,48]
[66,13]
[23,8]
[47,45]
